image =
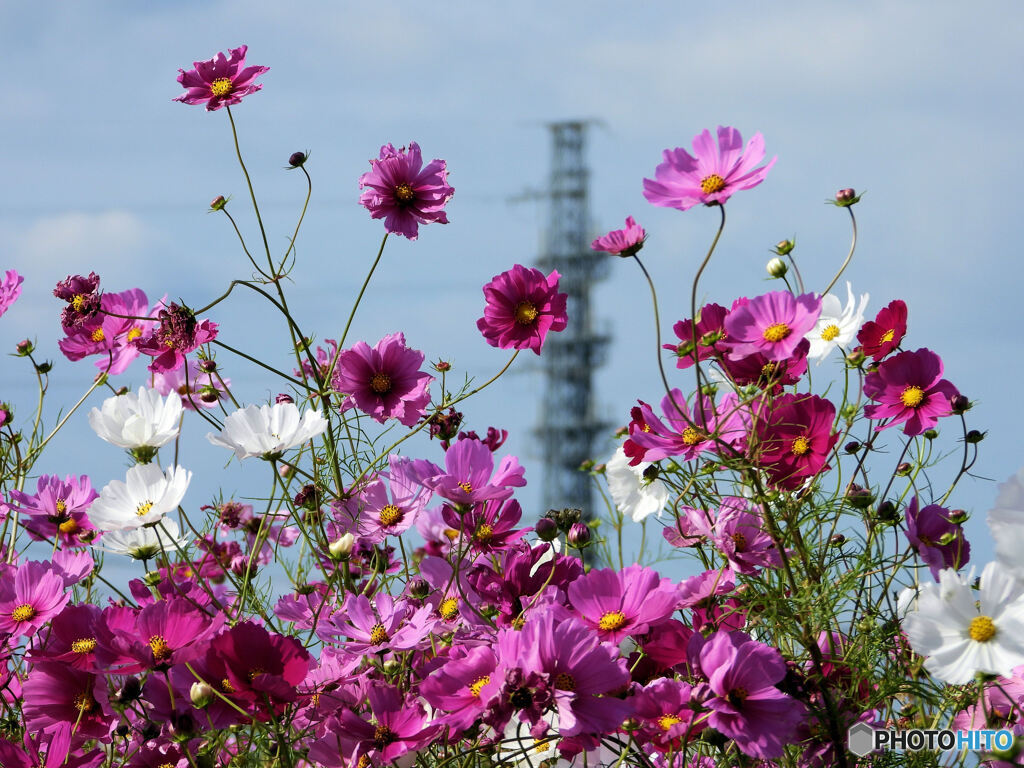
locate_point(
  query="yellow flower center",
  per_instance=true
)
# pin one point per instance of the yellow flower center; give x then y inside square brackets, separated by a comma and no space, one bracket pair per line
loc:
[889,335]
[776,332]
[451,533]
[830,332]
[484,533]
[737,696]
[98,335]
[61,506]
[466,486]
[739,541]
[83,702]
[391,515]
[912,396]
[364,762]
[378,634]
[161,650]
[665,722]
[380,383]
[768,370]
[134,333]
[382,736]
[84,645]
[449,608]
[23,613]
[612,621]
[68,527]
[477,685]
[221,87]
[226,686]
[78,301]
[143,509]
[518,623]
[800,446]
[526,312]
[982,629]
[565,682]
[692,436]
[405,193]
[711,184]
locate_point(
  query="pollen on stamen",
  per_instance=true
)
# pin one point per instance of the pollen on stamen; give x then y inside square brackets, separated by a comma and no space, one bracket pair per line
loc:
[78,301]
[378,634]
[405,193]
[526,312]
[477,685]
[740,542]
[888,336]
[776,332]
[221,87]
[801,445]
[83,702]
[380,383]
[84,645]
[982,629]
[912,396]
[390,515]
[134,333]
[691,436]
[98,335]
[23,613]
[665,722]
[449,608]
[829,332]
[484,533]
[61,506]
[466,486]
[143,509]
[711,184]
[612,621]
[161,650]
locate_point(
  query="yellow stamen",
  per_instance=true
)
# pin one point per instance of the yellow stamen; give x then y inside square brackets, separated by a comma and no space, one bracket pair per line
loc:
[98,335]
[161,650]
[134,333]
[466,487]
[61,506]
[380,383]
[776,332]
[740,542]
[78,301]
[711,184]
[221,87]
[692,436]
[405,193]
[912,396]
[255,672]
[69,527]
[665,722]
[829,332]
[889,335]
[378,634]
[982,629]
[83,702]
[612,621]
[477,685]
[484,533]
[800,446]
[84,645]
[565,682]
[526,312]
[390,515]
[449,608]
[23,613]
[226,686]
[143,509]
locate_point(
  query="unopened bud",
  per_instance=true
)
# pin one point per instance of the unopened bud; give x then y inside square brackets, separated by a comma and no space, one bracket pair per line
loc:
[959,404]
[858,497]
[886,512]
[957,516]
[209,394]
[777,268]
[342,548]
[579,535]
[855,358]
[546,529]
[391,667]
[846,197]
[974,436]
[218,203]
[784,247]
[201,694]
[284,397]
[441,366]
[6,414]
[24,347]
[931,434]
[852,447]
[131,690]
[837,540]
[297,159]
[44,367]
[419,588]
[207,365]
[567,517]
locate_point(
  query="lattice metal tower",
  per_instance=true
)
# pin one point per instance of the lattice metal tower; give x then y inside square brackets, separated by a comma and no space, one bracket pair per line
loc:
[568,424]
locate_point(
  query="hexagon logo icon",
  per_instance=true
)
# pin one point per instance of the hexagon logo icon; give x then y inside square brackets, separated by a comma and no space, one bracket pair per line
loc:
[860,739]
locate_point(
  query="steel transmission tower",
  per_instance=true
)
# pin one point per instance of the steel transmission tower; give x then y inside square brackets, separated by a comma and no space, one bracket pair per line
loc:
[568,425]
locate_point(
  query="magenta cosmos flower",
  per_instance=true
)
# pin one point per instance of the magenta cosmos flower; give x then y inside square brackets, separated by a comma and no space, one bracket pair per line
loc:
[522,306]
[939,541]
[622,242]
[711,174]
[178,334]
[795,437]
[622,603]
[467,476]
[882,335]
[400,190]
[31,598]
[773,324]
[909,389]
[220,81]
[10,289]
[385,381]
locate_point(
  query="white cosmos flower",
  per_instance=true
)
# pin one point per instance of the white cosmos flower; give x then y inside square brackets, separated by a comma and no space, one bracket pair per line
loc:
[144,543]
[267,431]
[837,326]
[1006,522]
[145,497]
[634,494]
[962,632]
[136,420]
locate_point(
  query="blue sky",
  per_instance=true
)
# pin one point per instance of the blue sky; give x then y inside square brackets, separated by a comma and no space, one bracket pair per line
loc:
[919,103]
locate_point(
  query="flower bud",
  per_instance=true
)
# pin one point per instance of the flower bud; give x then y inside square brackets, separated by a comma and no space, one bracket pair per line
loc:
[931,434]
[207,365]
[858,497]
[957,516]
[218,203]
[442,366]
[342,548]
[201,694]
[855,358]
[852,447]
[579,535]
[845,195]
[886,512]
[44,367]
[391,667]
[24,347]
[284,397]
[777,268]
[974,436]
[567,517]
[209,394]
[784,247]
[903,468]
[546,529]
[419,588]
[297,159]
[837,540]
[308,497]
[959,404]
[6,414]
[130,690]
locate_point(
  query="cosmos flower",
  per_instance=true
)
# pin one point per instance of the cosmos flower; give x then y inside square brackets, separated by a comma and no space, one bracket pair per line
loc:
[711,175]
[939,542]
[220,81]
[909,389]
[882,335]
[31,598]
[144,543]
[146,496]
[267,431]
[622,242]
[522,307]
[10,289]
[772,324]
[635,493]
[622,603]
[111,338]
[178,334]
[837,325]
[384,381]
[138,420]
[400,190]
[795,437]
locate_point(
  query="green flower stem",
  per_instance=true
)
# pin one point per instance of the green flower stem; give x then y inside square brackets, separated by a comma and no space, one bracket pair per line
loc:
[849,256]
[693,302]
[251,359]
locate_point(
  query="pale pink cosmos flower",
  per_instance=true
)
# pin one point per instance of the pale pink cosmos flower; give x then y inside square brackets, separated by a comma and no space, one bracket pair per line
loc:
[10,289]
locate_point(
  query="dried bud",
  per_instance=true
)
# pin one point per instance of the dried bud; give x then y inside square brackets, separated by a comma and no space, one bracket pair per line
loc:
[579,535]
[44,367]
[342,548]
[218,203]
[308,498]
[960,404]
[284,397]
[567,517]
[784,247]
[24,347]
[546,529]
[777,268]
[130,690]
[297,159]
[201,694]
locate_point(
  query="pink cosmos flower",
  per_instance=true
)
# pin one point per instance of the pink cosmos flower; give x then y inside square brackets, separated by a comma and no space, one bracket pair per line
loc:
[400,190]
[83,298]
[622,603]
[770,375]
[711,174]
[711,337]
[454,689]
[739,535]
[522,307]
[376,513]
[10,290]
[57,508]
[664,714]
[467,477]
[795,437]
[220,81]
[909,390]
[178,334]
[382,625]
[939,542]
[686,434]
[488,526]
[385,381]
[622,242]
[57,693]
[773,324]
[72,638]
[112,336]
[34,596]
[882,335]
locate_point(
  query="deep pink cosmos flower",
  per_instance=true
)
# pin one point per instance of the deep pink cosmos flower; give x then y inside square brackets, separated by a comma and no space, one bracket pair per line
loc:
[385,624]
[939,542]
[454,689]
[220,81]
[58,693]
[622,242]
[71,638]
[488,526]
[711,174]
[684,435]
[663,711]
[909,390]
[34,596]
[384,381]
[882,335]
[522,307]
[773,324]
[50,749]
[622,603]
[178,334]
[711,338]
[795,437]
[400,190]
[10,289]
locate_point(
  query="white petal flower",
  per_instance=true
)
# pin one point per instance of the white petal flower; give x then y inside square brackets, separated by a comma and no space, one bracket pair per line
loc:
[136,420]
[267,431]
[144,543]
[1006,522]
[147,495]
[963,632]
[837,326]
[634,494]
